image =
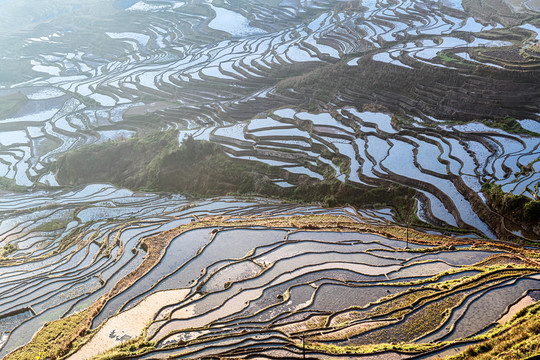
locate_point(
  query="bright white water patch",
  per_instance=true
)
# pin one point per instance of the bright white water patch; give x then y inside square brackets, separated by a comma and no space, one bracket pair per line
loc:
[232,23]
[8,138]
[51,70]
[35,117]
[103,99]
[300,55]
[283,184]
[370,4]
[383,121]
[234,131]
[263,123]
[142,6]
[115,135]
[285,113]
[140,38]
[354,61]
[45,93]
[438,209]
[472,25]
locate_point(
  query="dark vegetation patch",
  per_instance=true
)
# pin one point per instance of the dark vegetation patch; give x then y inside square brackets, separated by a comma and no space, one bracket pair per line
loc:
[449,94]
[9,249]
[10,185]
[52,226]
[493,11]
[512,54]
[10,104]
[157,163]
[518,208]
[202,168]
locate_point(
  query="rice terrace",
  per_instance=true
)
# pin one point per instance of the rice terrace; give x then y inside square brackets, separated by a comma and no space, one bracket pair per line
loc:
[280,179]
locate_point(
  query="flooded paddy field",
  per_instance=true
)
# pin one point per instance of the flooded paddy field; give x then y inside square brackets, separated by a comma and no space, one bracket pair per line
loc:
[241,286]
[232,277]
[437,98]
[180,69]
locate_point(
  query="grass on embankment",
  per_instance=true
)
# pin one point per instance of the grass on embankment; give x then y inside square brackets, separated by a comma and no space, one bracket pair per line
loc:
[517,339]
[54,339]
[157,163]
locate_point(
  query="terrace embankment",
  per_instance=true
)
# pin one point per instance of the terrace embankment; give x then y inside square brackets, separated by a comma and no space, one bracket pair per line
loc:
[201,168]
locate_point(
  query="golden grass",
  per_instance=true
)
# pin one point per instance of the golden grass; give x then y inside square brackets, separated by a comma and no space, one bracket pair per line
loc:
[517,339]
[54,339]
[367,349]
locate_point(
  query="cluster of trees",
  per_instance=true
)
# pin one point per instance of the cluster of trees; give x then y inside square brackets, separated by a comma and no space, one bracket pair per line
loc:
[157,163]
[202,168]
[519,208]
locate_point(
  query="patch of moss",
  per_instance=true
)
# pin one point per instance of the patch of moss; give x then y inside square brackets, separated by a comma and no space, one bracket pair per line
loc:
[367,349]
[132,347]
[449,58]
